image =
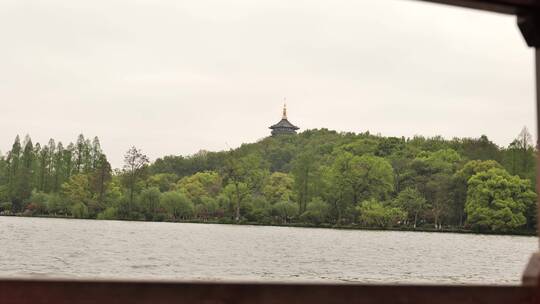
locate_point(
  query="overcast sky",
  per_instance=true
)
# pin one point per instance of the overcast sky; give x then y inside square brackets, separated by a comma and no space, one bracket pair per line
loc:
[177,76]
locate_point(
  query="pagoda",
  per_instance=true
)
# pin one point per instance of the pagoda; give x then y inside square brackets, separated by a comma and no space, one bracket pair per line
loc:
[283,126]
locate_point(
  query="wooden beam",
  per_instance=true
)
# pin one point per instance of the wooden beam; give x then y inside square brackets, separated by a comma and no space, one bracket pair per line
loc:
[74,292]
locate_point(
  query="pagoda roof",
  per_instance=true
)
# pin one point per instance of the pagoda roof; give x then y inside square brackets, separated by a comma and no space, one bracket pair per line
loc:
[284,123]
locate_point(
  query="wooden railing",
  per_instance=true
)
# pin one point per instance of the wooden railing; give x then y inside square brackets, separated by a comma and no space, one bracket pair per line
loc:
[74,292]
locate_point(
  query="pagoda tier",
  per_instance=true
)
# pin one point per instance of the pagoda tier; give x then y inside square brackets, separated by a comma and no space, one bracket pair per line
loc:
[283,126]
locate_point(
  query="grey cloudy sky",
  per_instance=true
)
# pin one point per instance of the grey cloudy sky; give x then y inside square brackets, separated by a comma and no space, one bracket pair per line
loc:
[173,77]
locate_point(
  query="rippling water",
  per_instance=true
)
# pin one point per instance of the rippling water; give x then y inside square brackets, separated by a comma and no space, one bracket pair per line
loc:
[114,249]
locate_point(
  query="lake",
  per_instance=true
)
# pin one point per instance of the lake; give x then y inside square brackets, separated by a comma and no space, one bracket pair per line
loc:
[43,247]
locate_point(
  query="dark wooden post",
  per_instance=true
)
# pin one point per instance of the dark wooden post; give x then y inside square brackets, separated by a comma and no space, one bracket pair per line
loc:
[528,23]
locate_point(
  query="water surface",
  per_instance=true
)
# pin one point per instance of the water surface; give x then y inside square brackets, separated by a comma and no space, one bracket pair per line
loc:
[135,250]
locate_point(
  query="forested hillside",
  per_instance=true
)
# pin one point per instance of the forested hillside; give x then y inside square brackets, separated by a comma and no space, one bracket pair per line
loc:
[318,177]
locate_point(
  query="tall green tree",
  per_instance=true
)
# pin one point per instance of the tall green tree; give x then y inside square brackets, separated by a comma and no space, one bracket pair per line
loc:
[135,164]
[498,201]
[177,205]
[366,176]
[247,172]
[461,179]
[411,201]
[150,202]
[278,187]
[305,171]
[24,189]
[99,181]
[14,160]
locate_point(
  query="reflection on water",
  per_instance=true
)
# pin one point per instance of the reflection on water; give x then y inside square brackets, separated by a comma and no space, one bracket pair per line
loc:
[114,249]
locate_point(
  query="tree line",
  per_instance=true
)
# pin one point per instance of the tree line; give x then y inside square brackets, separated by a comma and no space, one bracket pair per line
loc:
[318,177]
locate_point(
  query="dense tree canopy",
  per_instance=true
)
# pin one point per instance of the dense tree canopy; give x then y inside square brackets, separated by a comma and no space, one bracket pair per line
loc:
[318,177]
[497,200]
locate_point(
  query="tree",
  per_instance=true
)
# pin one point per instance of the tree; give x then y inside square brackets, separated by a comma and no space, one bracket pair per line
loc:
[57,204]
[96,153]
[439,194]
[177,205]
[68,161]
[134,165]
[497,201]
[164,181]
[524,141]
[49,183]
[236,194]
[334,191]
[77,190]
[37,203]
[43,167]
[361,146]
[477,148]
[411,201]
[278,187]
[317,211]
[79,210]
[520,157]
[246,175]
[80,153]
[207,207]
[366,176]
[461,178]
[433,172]
[24,187]
[150,202]
[111,213]
[207,183]
[285,210]
[99,181]
[305,171]
[14,176]
[374,214]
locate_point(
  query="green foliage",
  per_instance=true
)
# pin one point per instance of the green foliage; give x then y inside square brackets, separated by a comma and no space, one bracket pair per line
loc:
[375,214]
[411,201]
[6,207]
[77,189]
[476,166]
[207,207]
[110,213]
[163,181]
[318,177]
[317,211]
[363,177]
[57,205]
[306,174]
[177,205]
[149,202]
[201,184]
[279,187]
[79,210]
[37,204]
[285,210]
[497,201]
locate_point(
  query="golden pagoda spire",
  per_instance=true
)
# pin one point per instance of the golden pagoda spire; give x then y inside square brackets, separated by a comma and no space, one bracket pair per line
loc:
[284,109]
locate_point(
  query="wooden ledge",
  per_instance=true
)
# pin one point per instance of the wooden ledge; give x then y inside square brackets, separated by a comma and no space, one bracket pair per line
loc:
[86,291]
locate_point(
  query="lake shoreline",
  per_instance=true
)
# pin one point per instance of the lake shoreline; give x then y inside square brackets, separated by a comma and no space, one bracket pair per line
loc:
[304,225]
